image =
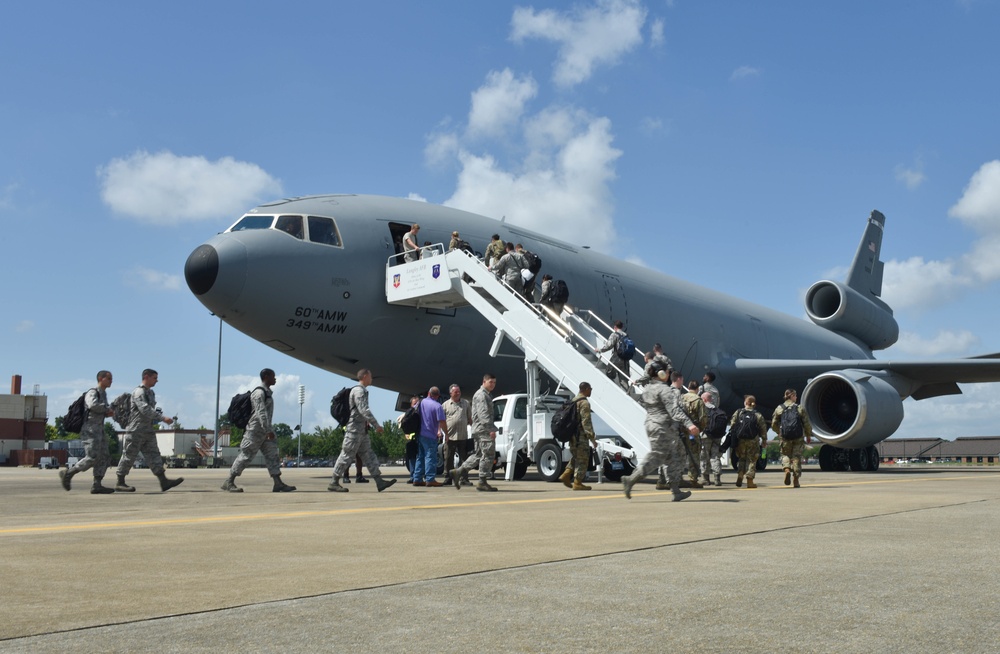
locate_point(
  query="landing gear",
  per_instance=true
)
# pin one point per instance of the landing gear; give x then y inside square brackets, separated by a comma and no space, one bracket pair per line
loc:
[835,459]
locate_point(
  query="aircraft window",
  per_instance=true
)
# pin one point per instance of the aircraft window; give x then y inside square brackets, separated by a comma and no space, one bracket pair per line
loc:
[253,222]
[290,224]
[322,230]
[521,408]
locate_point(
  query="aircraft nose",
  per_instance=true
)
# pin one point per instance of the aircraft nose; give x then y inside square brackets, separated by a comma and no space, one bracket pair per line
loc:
[216,273]
[201,269]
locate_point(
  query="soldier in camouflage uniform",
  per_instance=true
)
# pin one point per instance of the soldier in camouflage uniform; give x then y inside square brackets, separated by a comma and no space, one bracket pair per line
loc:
[259,436]
[95,441]
[695,409]
[663,414]
[748,449]
[710,451]
[509,268]
[656,356]
[792,448]
[356,439]
[708,386]
[141,437]
[579,443]
[494,250]
[485,433]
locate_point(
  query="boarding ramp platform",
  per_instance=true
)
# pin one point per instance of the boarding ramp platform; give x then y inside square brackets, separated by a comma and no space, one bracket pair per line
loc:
[560,345]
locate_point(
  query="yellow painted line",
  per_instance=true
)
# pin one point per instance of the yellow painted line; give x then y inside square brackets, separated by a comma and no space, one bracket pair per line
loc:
[422,507]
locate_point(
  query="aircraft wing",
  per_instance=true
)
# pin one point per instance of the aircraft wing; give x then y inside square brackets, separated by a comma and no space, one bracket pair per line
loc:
[923,379]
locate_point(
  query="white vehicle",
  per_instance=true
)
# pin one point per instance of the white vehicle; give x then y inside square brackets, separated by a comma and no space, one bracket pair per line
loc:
[47,462]
[537,445]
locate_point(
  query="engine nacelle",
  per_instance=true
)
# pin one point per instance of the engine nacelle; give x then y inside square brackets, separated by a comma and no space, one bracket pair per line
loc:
[852,408]
[840,308]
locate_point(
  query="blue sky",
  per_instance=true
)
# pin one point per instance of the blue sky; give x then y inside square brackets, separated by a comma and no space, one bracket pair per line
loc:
[737,145]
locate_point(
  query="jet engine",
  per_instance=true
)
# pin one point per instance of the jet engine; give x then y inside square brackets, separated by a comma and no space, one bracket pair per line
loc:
[840,308]
[852,408]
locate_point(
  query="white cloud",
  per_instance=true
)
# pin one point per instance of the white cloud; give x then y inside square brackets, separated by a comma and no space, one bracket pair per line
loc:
[416,197]
[441,147]
[649,126]
[919,284]
[744,71]
[983,261]
[597,35]
[166,189]
[499,103]
[944,343]
[979,206]
[152,279]
[25,326]
[656,29]
[912,178]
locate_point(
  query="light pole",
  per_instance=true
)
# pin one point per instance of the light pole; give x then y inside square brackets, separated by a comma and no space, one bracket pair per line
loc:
[218,385]
[302,400]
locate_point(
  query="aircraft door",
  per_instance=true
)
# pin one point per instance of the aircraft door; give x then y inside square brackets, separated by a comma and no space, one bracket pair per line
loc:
[617,306]
[394,241]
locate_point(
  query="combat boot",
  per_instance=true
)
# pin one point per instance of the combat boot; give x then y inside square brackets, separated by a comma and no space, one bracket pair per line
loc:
[680,495]
[707,482]
[337,488]
[280,486]
[456,479]
[100,489]
[567,477]
[167,484]
[122,487]
[381,483]
[788,476]
[579,485]
[65,475]
[483,486]
[230,485]
[628,482]
[750,483]
[695,484]
[662,485]
[718,479]
[739,480]
[795,483]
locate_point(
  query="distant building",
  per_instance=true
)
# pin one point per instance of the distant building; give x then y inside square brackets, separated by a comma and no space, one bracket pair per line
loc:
[22,424]
[975,450]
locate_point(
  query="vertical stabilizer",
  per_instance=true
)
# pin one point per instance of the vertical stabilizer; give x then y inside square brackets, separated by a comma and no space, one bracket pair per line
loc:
[865,275]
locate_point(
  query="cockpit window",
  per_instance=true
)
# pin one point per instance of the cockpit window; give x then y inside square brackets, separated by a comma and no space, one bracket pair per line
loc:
[252,222]
[290,224]
[323,230]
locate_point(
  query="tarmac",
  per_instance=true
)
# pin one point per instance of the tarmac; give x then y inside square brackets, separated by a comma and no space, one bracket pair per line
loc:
[902,560]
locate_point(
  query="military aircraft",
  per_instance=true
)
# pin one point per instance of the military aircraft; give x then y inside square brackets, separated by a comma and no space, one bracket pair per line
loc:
[307,275]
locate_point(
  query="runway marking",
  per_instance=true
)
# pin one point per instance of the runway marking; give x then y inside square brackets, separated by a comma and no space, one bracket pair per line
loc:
[125,524]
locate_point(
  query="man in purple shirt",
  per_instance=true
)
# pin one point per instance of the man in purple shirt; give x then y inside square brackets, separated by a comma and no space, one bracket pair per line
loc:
[432,425]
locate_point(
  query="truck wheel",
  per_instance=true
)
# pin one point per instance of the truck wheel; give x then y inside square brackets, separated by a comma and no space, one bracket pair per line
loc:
[550,463]
[520,465]
[612,475]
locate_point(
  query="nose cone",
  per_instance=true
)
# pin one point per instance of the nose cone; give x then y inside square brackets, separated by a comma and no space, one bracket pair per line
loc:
[216,273]
[201,269]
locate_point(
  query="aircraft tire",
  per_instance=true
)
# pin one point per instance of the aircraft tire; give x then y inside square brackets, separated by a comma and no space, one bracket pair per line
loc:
[549,462]
[826,458]
[873,459]
[859,459]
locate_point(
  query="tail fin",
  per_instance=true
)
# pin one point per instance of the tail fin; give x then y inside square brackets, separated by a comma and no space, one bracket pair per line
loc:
[865,275]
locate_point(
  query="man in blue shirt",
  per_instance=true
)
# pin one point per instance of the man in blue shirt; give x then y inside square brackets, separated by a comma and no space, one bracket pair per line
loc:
[432,424]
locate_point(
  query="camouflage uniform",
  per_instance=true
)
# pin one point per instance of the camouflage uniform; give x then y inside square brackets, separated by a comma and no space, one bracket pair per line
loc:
[482,425]
[695,409]
[95,441]
[494,251]
[663,413]
[709,387]
[647,375]
[356,439]
[748,449]
[140,435]
[791,450]
[509,268]
[711,453]
[616,361]
[255,437]
[579,444]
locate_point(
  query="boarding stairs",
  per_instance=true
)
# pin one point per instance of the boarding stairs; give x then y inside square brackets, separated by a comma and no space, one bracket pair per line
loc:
[560,345]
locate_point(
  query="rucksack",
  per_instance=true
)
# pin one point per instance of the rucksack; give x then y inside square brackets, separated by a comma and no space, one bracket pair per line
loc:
[558,292]
[625,348]
[533,261]
[565,422]
[410,424]
[718,421]
[745,427]
[340,406]
[75,415]
[791,423]
[240,409]
[122,407]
